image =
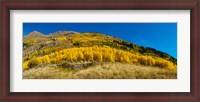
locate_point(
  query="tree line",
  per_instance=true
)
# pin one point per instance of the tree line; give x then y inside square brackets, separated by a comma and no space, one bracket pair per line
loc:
[97,54]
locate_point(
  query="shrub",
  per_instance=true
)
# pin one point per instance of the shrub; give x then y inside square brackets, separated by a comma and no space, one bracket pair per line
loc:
[25,65]
[33,63]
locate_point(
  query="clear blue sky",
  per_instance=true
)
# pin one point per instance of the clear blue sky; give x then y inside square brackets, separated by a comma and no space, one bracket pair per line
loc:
[161,36]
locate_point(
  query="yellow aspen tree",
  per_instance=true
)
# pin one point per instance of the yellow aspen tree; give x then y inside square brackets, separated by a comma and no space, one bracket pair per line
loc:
[47,59]
[112,57]
[25,65]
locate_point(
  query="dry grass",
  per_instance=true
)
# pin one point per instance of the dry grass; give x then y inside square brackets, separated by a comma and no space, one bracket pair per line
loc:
[101,71]
[124,71]
[47,72]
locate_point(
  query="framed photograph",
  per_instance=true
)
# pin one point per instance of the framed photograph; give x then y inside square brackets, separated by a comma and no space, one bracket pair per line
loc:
[123,50]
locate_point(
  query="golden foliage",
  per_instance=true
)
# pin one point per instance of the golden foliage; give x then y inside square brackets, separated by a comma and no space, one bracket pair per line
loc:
[25,65]
[99,54]
[85,39]
[61,38]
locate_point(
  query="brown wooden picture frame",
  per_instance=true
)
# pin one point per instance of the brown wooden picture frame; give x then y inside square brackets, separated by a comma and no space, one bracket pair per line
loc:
[192,5]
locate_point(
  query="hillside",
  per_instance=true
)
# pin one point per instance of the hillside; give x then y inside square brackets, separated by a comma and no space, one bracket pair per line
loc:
[78,51]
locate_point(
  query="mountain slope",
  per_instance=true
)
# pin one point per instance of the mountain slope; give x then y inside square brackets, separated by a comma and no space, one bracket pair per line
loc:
[76,52]
[67,39]
[34,34]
